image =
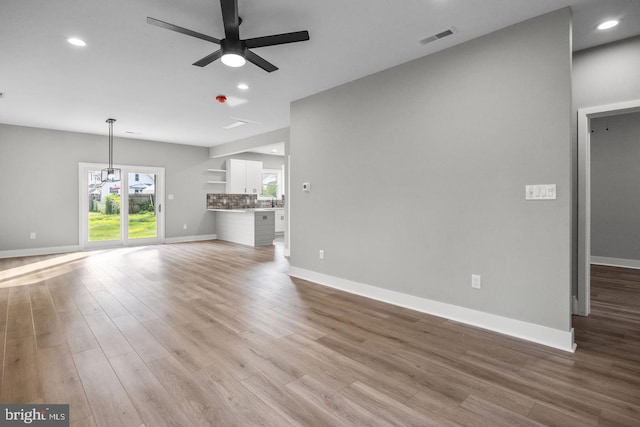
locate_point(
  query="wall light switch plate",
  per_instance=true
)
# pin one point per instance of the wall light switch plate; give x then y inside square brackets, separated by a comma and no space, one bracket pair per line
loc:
[540,192]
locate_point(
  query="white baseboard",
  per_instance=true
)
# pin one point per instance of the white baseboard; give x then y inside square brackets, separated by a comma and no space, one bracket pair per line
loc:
[75,248]
[615,262]
[555,338]
[39,251]
[185,239]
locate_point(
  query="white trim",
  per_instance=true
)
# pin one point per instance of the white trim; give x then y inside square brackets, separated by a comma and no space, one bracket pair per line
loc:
[76,248]
[616,262]
[287,252]
[185,239]
[39,251]
[584,190]
[562,340]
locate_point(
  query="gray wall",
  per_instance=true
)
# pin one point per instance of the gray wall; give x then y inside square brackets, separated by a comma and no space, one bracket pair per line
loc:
[39,183]
[615,187]
[418,175]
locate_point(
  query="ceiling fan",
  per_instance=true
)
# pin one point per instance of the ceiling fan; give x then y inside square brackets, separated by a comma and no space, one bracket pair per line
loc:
[234,51]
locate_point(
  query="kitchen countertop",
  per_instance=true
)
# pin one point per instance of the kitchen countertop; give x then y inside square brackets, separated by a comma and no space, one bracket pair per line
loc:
[245,210]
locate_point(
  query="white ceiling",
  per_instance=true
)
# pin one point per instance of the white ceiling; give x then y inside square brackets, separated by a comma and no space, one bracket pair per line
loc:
[142,75]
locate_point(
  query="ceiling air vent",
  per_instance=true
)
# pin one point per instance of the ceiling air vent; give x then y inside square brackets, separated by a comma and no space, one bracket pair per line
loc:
[235,124]
[438,36]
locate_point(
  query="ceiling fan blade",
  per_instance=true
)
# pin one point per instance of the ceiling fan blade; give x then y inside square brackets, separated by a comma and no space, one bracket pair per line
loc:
[259,61]
[230,19]
[208,59]
[297,36]
[177,29]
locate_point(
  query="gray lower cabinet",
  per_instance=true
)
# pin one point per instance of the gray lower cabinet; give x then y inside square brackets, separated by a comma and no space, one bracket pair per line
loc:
[250,227]
[279,225]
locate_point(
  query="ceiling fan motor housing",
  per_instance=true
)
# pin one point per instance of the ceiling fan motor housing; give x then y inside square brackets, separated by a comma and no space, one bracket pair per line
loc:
[233,46]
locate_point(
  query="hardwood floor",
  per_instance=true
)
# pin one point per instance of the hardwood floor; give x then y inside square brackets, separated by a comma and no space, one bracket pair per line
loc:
[212,333]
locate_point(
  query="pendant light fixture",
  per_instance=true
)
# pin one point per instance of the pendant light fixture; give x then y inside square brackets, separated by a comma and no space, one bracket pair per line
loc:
[110,174]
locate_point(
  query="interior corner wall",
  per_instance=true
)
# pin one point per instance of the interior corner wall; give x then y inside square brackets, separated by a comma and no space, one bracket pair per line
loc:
[606,74]
[615,193]
[418,175]
[602,75]
[39,191]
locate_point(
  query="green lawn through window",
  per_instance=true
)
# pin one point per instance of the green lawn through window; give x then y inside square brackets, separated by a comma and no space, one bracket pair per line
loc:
[107,227]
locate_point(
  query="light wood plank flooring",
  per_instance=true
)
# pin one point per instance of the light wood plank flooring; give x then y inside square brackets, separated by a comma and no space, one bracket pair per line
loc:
[212,333]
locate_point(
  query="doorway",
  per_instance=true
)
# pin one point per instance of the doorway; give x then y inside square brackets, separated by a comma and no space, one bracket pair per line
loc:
[127,212]
[582,300]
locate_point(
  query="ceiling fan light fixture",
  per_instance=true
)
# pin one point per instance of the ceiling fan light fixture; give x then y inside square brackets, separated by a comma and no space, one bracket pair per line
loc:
[233,60]
[608,24]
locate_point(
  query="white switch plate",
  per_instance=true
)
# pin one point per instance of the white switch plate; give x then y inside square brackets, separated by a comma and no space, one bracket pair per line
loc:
[321,254]
[540,192]
[170,196]
[476,281]
[32,236]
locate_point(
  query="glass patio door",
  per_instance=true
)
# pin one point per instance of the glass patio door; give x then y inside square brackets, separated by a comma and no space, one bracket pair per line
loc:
[121,213]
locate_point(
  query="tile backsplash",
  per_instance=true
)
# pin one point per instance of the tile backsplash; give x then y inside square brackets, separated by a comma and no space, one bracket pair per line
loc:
[238,201]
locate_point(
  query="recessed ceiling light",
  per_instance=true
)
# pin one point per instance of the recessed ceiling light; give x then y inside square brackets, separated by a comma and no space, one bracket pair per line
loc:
[76,42]
[608,24]
[243,86]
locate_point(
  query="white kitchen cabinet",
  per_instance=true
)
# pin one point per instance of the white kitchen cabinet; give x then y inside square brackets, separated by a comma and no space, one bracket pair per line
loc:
[279,221]
[244,177]
[254,177]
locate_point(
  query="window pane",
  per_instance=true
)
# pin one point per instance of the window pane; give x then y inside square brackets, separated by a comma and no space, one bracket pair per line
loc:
[269,184]
[104,209]
[142,206]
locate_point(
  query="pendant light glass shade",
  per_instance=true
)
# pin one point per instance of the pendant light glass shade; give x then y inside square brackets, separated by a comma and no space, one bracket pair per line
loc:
[110,174]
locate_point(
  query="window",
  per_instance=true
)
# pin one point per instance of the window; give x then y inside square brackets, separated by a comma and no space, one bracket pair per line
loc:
[271,183]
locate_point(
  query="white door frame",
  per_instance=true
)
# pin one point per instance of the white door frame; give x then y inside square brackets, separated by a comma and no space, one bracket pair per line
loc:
[584,194]
[83,214]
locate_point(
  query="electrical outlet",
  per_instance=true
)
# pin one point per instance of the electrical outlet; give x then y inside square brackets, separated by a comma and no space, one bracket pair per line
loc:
[321,254]
[184,226]
[476,281]
[32,236]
